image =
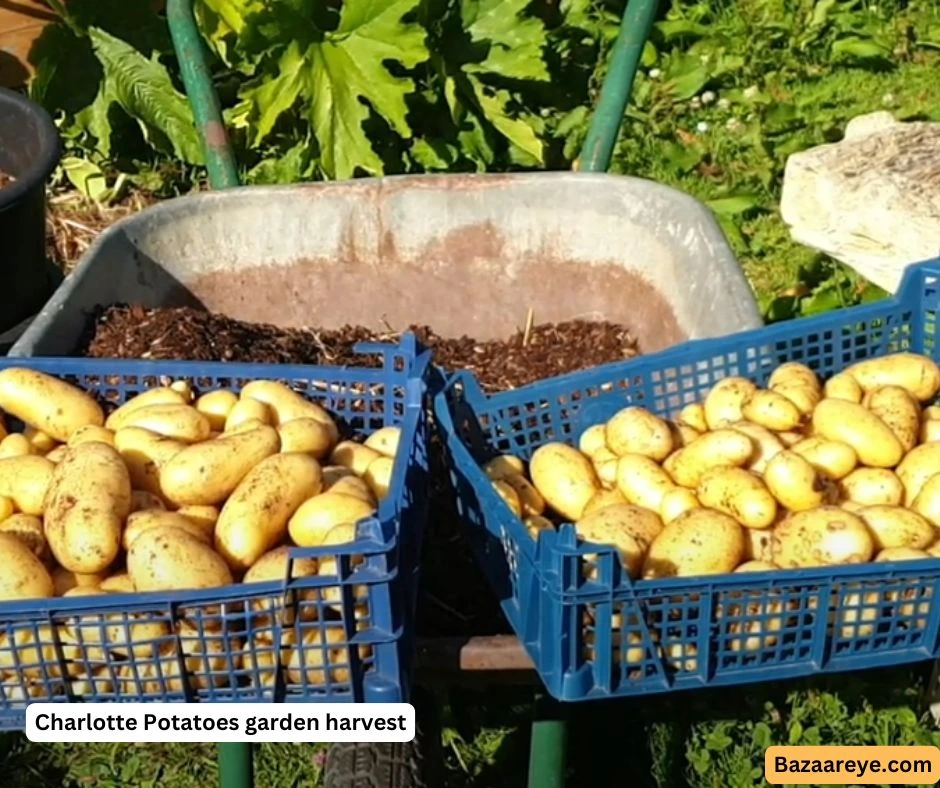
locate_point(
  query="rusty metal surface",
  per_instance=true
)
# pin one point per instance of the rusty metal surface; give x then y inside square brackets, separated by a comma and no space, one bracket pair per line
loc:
[472,654]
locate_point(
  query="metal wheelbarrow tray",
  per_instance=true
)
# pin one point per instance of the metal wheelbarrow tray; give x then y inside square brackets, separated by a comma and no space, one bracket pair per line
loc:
[465,254]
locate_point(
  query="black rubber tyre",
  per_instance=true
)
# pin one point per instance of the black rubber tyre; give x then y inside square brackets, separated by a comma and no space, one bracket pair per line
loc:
[415,764]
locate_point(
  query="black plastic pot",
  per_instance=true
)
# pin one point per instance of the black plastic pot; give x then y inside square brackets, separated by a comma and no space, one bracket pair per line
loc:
[30,149]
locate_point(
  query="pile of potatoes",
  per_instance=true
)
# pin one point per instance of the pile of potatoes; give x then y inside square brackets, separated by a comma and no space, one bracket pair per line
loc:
[173,491]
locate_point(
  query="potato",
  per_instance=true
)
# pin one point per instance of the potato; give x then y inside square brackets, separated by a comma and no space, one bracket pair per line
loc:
[699,542]
[64,580]
[932,412]
[92,685]
[794,482]
[204,655]
[682,434]
[156,674]
[535,523]
[826,536]
[146,453]
[273,565]
[693,416]
[509,495]
[87,537]
[833,459]
[130,634]
[635,430]
[318,515]
[642,481]
[894,526]
[723,404]
[47,403]
[916,373]
[721,448]
[857,611]
[28,529]
[141,499]
[740,494]
[24,575]
[305,435]
[25,646]
[254,518]
[378,477]
[603,498]
[25,481]
[592,440]
[204,516]
[915,469]
[175,421]
[41,443]
[57,454]
[530,499]
[90,434]
[16,445]
[159,396]
[872,487]
[901,554]
[385,441]
[215,406]
[243,426]
[118,584]
[934,550]
[874,442]
[677,501]
[605,466]
[248,410]
[206,474]
[766,444]
[564,477]
[771,410]
[287,404]
[929,431]
[793,374]
[168,559]
[758,545]
[138,522]
[349,485]
[899,410]
[502,466]
[630,529]
[322,658]
[354,455]
[7,507]
[756,566]
[262,661]
[844,387]
[184,388]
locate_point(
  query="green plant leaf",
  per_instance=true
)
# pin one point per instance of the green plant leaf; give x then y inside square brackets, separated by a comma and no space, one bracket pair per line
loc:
[292,167]
[735,205]
[493,103]
[144,90]
[860,49]
[516,41]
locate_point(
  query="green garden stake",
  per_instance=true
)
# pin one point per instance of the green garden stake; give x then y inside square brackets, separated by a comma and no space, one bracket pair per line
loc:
[548,748]
[236,769]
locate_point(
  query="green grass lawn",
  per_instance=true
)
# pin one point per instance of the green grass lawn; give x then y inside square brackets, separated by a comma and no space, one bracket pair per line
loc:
[728,91]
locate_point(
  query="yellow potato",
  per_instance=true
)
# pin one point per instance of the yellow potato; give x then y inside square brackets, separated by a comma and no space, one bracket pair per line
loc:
[16,444]
[927,502]
[138,522]
[693,415]
[24,575]
[929,431]
[121,634]
[740,494]
[682,434]
[28,529]
[503,466]
[348,485]
[766,444]
[254,518]
[508,493]
[603,498]
[642,481]
[203,516]
[63,580]
[899,410]
[141,499]
[94,684]
[901,554]
[677,501]
[178,422]
[894,526]
[635,430]
[7,507]
[287,404]
[146,453]
[794,374]
[90,434]
[932,412]
[152,674]
[758,545]
[824,536]
[168,559]
[41,443]
[723,404]
[318,515]
[915,469]
[916,373]
[159,396]
[204,655]
[243,426]
[771,410]
[699,542]
[215,406]
[833,459]
[530,499]
[794,482]
[29,647]
[757,566]
[874,442]
[47,403]
[273,565]
[564,477]
[856,614]
[843,386]
[184,388]
[605,466]
[58,453]
[87,537]
[872,487]
[118,584]
[378,476]
[790,438]
[804,398]
[206,474]
[25,481]
[934,549]
[630,529]
[305,435]
[354,455]
[248,410]
[535,523]
[721,448]
[385,441]
[592,440]
[322,657]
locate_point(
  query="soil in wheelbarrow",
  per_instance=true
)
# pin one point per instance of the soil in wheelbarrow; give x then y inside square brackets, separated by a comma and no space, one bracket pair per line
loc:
[455,598]
[5,179]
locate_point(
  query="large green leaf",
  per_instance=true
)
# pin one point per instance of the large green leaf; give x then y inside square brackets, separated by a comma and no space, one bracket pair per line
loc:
[516,41]
[519,133]
[144,90]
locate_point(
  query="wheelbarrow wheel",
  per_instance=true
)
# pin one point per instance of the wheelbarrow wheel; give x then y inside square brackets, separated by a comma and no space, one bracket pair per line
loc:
[414,764]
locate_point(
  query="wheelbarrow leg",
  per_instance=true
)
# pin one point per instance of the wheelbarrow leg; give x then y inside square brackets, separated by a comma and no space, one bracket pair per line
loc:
[549,745]
[236,768]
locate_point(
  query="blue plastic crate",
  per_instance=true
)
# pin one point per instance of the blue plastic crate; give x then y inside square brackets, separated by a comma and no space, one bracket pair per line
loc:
[594,633]
[351,630]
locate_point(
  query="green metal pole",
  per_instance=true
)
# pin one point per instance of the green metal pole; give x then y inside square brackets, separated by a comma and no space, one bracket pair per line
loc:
[220,161]
[548,748]
[236,769]
[635,29]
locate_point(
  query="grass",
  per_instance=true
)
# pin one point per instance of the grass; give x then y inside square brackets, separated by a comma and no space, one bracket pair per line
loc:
[786,75]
